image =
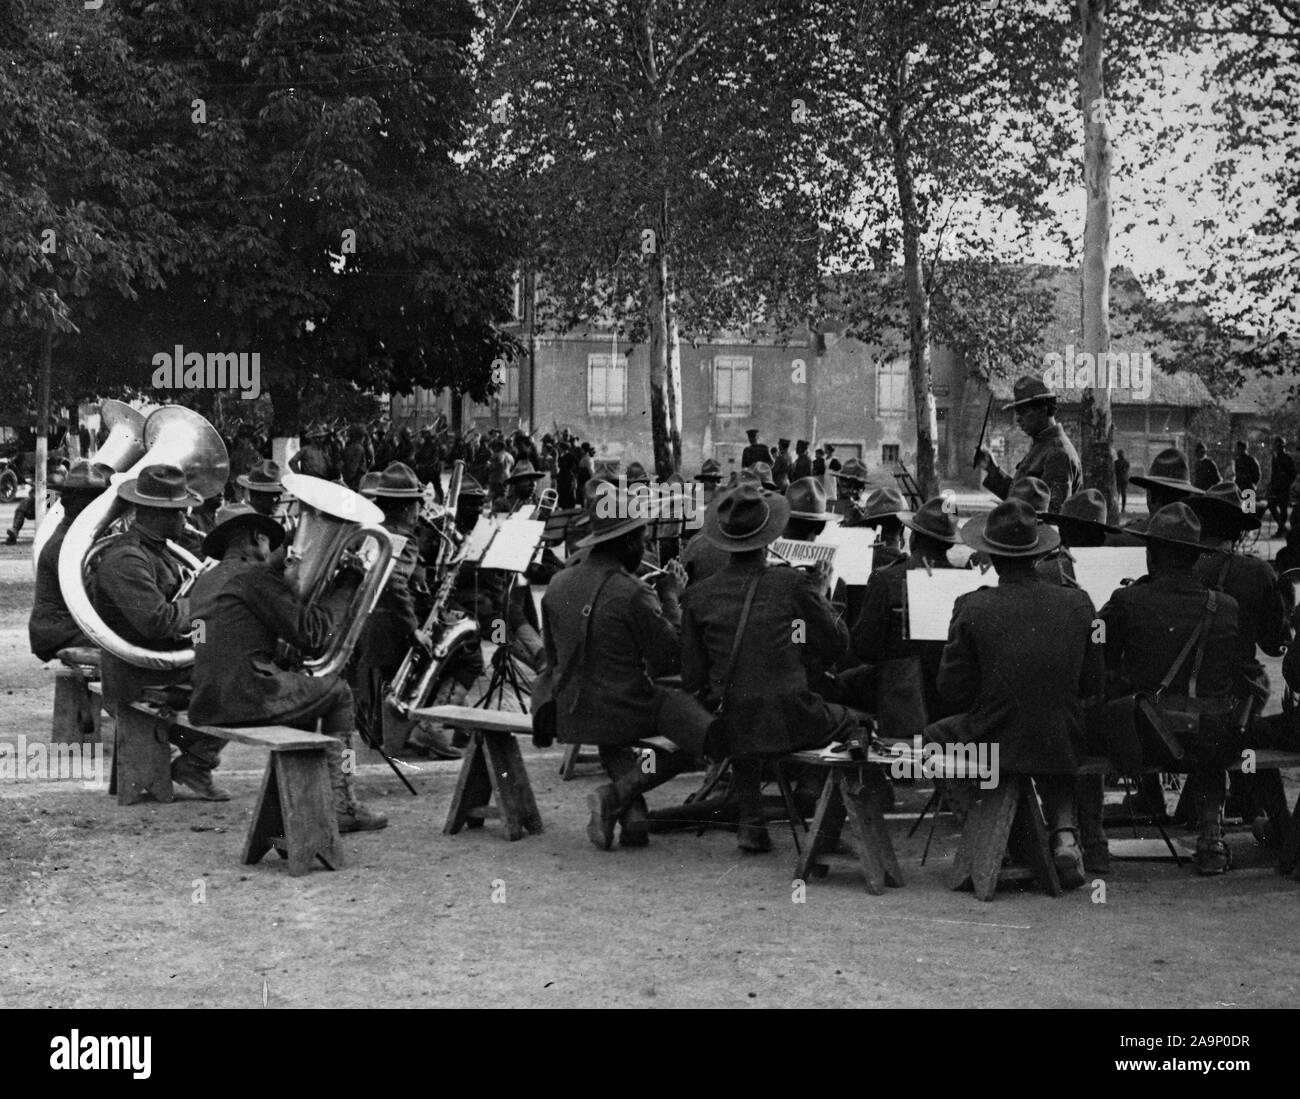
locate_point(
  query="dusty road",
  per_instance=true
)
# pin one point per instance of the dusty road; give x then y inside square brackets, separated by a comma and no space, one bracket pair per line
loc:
[105,906]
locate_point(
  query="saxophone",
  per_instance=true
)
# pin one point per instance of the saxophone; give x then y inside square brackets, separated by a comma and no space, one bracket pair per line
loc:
[421,669]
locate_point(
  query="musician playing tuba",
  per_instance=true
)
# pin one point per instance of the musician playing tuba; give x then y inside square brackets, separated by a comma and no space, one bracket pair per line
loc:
[135,583]
[242,608]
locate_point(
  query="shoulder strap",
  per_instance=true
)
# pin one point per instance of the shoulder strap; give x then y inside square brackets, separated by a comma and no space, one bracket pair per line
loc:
[588,613]
[735,645]
[1195,640]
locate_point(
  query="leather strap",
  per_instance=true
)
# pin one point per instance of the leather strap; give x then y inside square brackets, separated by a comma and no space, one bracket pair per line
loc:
[1196,640]
[735,646]
[588,612]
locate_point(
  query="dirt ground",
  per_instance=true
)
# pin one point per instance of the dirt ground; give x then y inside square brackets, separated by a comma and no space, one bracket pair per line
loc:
[102,906]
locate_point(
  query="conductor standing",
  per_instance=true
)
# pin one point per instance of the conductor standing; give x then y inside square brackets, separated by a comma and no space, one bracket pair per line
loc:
[1051,458]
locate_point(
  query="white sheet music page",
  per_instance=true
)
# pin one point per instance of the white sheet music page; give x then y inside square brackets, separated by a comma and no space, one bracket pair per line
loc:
[513,547]
[930,597]
[855,549]
[1099,570]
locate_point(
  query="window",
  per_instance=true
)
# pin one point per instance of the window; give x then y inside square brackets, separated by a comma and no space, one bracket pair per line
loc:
[892,388]
[606,385]
[506,399]
[889,454]
[732,384]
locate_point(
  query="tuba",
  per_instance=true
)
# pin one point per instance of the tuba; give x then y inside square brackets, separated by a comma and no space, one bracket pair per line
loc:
[175,436]
[420,671]
[121,450]
[337,528]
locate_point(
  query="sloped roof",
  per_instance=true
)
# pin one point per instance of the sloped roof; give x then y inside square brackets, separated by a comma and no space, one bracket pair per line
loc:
[1181,390]
[1263,395]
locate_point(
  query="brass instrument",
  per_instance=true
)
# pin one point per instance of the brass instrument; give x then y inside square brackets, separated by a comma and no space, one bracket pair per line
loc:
[421,669]
[337,529]
[122,449]
[175,436]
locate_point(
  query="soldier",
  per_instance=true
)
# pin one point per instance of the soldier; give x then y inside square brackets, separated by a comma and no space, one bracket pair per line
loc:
[755,451]
[1207,472]
[604,630]
[1081,523]
[1052,457]
[781,465]
[521,489]
[312,459]
[354,457]
[245,608]
[756,667]
[1018,664]
[1245,468]
[1165,481]
[879,632]
[802,463]
[850,484]
[884,510]
[264,488]
[1147,625]
[136,581]
[51,626]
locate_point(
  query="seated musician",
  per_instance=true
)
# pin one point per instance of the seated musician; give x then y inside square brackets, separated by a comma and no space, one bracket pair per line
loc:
[606,633]
[769,706]
[51,626]
[850,487]
[1081,522]
[262,486]
[135,585]
[521,490]
[702,557]
[1147,625]
[246,607]
[394,624]
[883,510]
[1019,661]
[879,634]
[1166,481]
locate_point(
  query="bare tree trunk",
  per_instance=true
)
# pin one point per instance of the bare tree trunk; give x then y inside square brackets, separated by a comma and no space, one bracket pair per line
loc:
[665,387]
[42,425]
[918,311]
[1095,418]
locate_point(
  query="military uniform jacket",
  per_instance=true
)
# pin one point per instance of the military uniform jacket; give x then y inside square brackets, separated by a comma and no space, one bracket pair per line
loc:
[135,579]
[771,663]
[246,607]
[755,452]
[391,627]
[701,559]
[1058,568]
[1052,458]
[781,466]
[354,464]
[51,626]
[609,697]
[1147,624]
[1019,660]
[878,632]
[1261,612]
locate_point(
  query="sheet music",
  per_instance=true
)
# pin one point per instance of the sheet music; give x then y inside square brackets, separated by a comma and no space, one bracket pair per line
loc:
[930,597]
[514,545]
[1099,570]
[856,550]
[799,552]
[479,539]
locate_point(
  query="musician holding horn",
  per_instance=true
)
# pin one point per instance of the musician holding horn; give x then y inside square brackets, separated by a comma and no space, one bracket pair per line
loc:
[136,583]
[245,608]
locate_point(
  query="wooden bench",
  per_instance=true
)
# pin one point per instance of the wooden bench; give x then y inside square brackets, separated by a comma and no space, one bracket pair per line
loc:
[295,809]
[78,697]
[575,757]
[855,792]
[492,767]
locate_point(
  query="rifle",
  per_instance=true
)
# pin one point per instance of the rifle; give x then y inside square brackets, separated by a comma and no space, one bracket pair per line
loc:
[975,462]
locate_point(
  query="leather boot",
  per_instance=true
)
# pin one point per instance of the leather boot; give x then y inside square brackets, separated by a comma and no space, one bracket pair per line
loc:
[352,816]
[1213,856]
[429,740]
[1057,793]
[746,777]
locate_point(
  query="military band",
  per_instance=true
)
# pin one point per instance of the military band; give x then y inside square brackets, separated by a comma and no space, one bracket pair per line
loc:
[769,660]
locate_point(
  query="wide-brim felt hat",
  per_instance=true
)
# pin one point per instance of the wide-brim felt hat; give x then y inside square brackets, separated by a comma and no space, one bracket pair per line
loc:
[637,474]
[263,476]
[87,477]
[159,486]
[935,519]
[1033,491]
[882,503]
[710,471]
[1028,390]
[1224,502]
[1083,512]
[628,515]
[398,482]
[1176,524]
[852,470]
[236,517]
[1011,529]
[524,471]
[807,500]
[763,471]
[746,518]
[1168,469]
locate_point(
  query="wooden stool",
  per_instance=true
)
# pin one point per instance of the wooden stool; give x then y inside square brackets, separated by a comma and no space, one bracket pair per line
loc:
[851,792]
[142,756]
[492,767]
[76,708]
[1006,817]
